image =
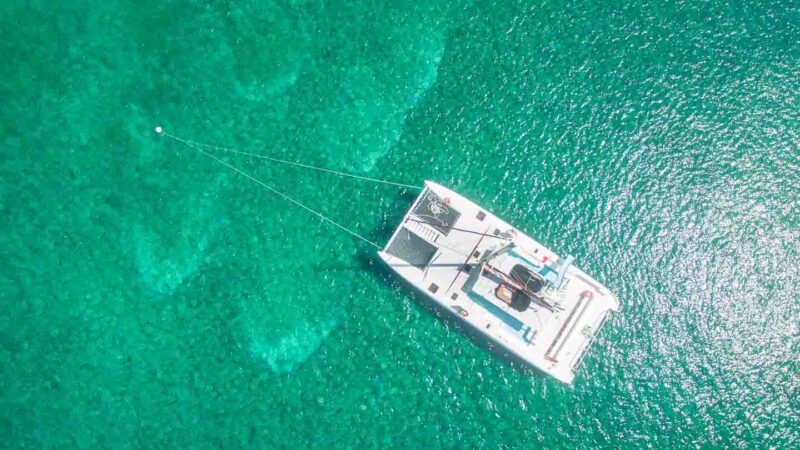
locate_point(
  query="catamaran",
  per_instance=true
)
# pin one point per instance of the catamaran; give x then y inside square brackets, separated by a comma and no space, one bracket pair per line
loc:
[494,278]
[486,273]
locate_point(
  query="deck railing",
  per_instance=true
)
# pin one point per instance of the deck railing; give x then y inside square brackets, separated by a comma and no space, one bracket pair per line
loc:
[588,343]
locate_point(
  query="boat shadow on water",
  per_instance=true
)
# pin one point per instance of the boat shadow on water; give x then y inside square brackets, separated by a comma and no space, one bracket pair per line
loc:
[376,268]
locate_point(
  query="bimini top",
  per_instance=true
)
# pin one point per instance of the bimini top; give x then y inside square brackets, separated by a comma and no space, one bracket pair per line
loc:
[512,289]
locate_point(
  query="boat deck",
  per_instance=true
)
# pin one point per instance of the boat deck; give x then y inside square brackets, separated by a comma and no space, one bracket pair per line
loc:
[438,248]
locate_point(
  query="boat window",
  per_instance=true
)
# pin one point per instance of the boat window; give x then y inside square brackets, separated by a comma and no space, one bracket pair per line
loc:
[433,211]
[527,278]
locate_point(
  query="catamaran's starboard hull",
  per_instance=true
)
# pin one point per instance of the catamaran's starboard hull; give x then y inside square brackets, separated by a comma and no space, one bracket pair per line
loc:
[439,247]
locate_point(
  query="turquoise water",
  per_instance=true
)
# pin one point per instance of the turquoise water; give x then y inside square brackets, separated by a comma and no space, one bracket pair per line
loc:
[152,299]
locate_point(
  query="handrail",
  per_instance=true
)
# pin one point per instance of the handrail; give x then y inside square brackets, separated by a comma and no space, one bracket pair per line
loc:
[583,351]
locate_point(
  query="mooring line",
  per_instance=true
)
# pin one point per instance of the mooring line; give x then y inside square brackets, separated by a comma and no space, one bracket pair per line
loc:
[282,161]
[192,145]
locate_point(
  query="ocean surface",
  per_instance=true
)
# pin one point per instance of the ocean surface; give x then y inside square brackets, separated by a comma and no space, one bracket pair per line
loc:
[152,298]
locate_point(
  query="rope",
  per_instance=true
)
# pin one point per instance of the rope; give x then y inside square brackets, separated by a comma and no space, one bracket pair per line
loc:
[273,190]
[282,161]
[462,230]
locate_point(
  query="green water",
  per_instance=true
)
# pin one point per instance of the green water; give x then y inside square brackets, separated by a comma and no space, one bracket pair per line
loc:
[152,299]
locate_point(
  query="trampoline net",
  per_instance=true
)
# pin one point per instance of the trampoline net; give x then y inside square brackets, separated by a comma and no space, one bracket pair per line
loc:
[433,211]
[411,248]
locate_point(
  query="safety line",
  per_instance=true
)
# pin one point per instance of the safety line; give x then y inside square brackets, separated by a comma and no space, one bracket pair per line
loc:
[188,142]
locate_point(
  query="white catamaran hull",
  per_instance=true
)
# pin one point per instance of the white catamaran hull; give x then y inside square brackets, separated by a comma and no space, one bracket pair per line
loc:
[510,288]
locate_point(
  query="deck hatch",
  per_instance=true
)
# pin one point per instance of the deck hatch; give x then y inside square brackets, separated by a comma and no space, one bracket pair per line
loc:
[411,248]
[436,213]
